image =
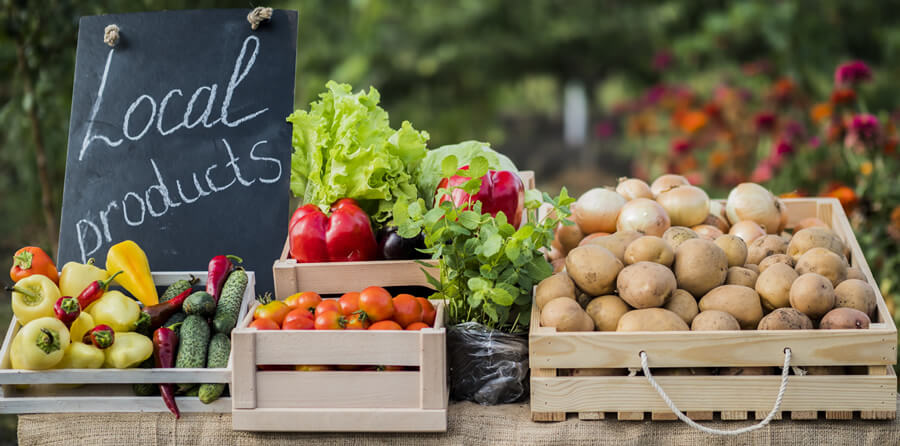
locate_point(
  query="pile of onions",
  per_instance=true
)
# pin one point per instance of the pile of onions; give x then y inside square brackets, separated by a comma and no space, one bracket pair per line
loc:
[686,205]
[747,230]
[597,210]
[632,188]
[645,216]
[717,217]
[750,201]
[666,182]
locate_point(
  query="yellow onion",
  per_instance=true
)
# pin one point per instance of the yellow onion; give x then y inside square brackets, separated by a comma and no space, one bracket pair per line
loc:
[784,214]
[717,216]
[747,230]
[750,201]
[567,236]
[597,210]
[708,232]
[645,216]
[666,182]
[686,205]
[632,188]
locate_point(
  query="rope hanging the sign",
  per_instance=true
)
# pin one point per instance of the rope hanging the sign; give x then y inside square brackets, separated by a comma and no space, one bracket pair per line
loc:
[258,15]
[111,35]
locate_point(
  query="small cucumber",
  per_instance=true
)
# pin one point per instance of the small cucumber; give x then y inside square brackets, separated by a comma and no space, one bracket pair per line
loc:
[177,288]
[145,389]
[230,301]
[200,304]
[175,319]
[192,345]
[217,357]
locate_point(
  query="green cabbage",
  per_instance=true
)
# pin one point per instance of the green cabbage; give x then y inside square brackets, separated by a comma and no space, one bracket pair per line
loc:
[344,147]
[430,172]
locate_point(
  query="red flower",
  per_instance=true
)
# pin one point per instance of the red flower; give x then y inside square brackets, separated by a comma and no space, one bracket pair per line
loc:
[851,73]
[843,96]
[662,60]
[765,121]
[864,129]
[782,90]
[783,147]
[680,146]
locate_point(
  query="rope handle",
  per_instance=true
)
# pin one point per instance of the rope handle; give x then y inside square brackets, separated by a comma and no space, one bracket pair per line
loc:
[708,430]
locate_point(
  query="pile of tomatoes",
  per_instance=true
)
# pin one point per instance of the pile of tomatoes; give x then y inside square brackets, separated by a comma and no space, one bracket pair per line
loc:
[370,309]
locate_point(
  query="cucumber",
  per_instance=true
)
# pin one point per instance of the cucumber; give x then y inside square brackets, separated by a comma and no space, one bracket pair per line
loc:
[177,288]
[230,301]
[191,389]
[192,345]
[200,304]
[145,389]
[176,318]
[217,357]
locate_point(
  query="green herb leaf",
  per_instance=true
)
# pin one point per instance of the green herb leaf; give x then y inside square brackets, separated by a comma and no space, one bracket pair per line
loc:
[470,219]
[533,198]
[538,269]
[492,245]
[449,166]
[478,167]
[478,284]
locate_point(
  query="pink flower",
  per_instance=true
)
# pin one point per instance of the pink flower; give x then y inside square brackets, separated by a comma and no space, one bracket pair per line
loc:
[695,178]
[864,129]
[605,129]
[765,121]
[783,147]
[851,73]
[762,173]
[662,60]
[680,146]
[793,131]
[814,142]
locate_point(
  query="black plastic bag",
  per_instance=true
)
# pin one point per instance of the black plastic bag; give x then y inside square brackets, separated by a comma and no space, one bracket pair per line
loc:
[487,366]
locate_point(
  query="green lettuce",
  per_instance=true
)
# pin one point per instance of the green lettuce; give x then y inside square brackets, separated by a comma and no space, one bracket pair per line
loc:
[344,147]
[430,172]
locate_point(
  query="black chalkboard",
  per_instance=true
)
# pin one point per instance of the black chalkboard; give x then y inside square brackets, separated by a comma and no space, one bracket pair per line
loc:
[178,139]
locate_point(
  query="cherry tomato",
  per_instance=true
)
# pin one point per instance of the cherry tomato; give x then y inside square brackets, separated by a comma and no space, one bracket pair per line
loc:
[428,311]
[349,303]
[357,321]
[376,302]
[264,324]
[415,326]
[330,320]
[327,305]
[385,325]
[307,300]
[298,319]
[407,309]
[312,368]
[275,310]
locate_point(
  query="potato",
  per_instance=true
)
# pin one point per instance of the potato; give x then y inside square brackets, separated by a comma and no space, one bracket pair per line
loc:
[738,301]
[587,324]
[746,371]
[587,239]
[605,311]
[559,265]
[752,267]
[565,315]
[764,247]
[649,248]
[714,320]
[645,284]
[855,273]
[700,266]
[773,259]
[598,372]
[839,318]
[824,262]
[708,232]
[593,268]
[774,286]
[815,237]
[785,319]
[557,285]
[683,304]
[741,276]
[677,234]
[651,319]
[857,294]
[812,294]
[735,249]
[617,243]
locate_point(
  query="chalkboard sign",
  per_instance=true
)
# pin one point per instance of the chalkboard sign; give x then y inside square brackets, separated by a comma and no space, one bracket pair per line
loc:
[178,139]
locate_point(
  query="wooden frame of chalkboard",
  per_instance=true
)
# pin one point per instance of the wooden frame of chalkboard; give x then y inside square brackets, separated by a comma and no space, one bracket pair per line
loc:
[109,390]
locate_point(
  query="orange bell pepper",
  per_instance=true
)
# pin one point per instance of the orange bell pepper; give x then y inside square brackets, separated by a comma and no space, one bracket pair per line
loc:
[32,260]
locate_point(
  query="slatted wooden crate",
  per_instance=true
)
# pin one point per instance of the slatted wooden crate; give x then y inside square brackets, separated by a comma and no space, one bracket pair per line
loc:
[108,390]
[871,394]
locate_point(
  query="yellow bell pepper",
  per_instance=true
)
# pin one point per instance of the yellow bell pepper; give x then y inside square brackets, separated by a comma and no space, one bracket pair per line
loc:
[128,257]
[81,326]
[40,344]
[129,350]
[117,310]
[81,356]
[75,277]
[33,297]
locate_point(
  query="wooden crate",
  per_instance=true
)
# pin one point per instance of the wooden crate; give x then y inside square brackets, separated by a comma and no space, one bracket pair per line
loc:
[341,401]
[871,395]
[108,390]
[289,274]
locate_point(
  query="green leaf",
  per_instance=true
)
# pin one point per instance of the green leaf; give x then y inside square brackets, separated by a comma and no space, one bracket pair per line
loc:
[479,284]
[433,216]
[408,229]
[512,251]
[475,299]
[512,290]
[471,186]
[492,245]
[470,219]
[449,166]
[491,312]
[538,269]
[478,167]
[533,197]
[434,282]
[524,232]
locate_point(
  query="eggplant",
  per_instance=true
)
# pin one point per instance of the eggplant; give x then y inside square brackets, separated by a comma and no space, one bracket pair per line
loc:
[391,246]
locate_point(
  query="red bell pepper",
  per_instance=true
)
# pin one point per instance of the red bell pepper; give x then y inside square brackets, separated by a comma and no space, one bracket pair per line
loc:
[501,190]
[344,236]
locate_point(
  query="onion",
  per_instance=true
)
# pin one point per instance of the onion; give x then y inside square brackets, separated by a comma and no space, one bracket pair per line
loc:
[667,181]
[750,201]
[597,209]
[632,188]
[708,232]
[747,230]
[590,237]
[784,215]
[568,237]
[645,216]
[811,222]
[716,216]
[686,205]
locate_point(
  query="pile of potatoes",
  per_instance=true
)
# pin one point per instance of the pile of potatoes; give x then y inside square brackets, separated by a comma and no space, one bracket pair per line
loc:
[702,279]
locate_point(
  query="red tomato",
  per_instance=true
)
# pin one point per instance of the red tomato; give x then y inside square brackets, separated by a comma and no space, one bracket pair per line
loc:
[428,311]
[330,320]
[349,303]
[385,325]
[407,309]
[415,326]
[357,321]
[264,324]
[306,299]
[327,305]
[298,319]
[275,310]
[376,302]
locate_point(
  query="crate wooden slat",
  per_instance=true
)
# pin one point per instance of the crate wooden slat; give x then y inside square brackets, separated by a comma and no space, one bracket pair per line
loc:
[871,395]
[108,390]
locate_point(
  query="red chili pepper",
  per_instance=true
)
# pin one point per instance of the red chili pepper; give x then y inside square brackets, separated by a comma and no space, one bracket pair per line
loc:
[95,291]
[102,336]
[165,341]
[160,313]
[501,190]
[218,270]
[345,236]
[67,309]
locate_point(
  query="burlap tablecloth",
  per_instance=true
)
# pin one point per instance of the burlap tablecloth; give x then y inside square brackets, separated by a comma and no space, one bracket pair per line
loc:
[469,424]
